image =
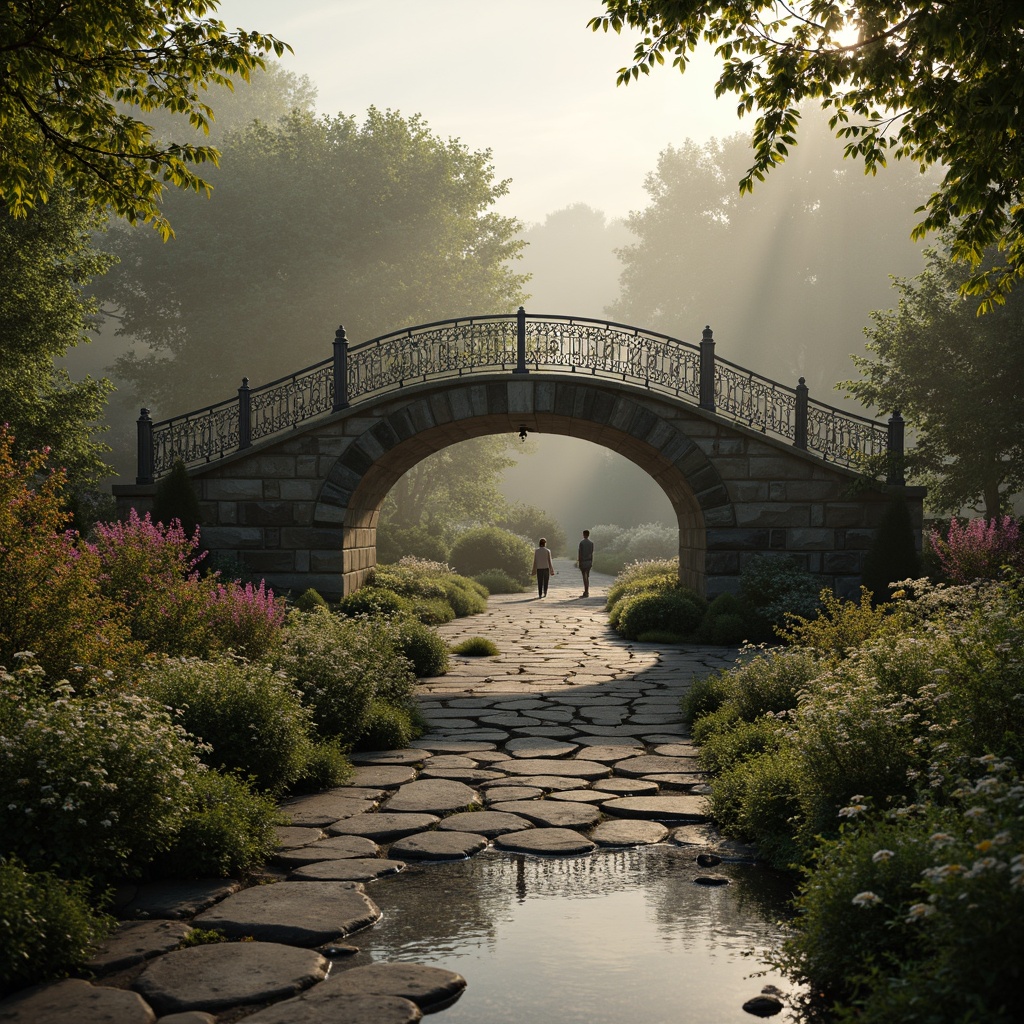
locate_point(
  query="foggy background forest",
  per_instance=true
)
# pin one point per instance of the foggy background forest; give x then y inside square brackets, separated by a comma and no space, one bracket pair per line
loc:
[370,219]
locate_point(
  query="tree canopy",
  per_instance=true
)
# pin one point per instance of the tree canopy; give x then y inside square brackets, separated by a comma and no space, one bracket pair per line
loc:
[73,77]
[932,83]
[47,258]
[376,224]
[958,380]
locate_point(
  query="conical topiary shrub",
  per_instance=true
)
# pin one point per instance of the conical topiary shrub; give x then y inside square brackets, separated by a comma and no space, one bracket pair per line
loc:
[893,554]
[176,498]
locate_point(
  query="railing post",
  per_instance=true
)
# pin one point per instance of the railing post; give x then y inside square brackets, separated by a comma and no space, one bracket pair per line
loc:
[244,416]
[707,370]
[800,424]
[144,426]
[895,449]
[521,341]
[340,370]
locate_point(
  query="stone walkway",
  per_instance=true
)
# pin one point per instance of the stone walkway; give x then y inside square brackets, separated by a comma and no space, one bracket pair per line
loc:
[568,740]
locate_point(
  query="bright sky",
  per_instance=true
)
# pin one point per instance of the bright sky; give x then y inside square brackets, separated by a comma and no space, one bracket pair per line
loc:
[524,78]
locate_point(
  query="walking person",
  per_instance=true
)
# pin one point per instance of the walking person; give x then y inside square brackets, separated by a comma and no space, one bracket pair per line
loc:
[543,567]
[585,561]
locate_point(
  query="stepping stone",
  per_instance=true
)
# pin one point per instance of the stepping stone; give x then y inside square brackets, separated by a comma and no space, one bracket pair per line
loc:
[442,745]
[485,823]
[581,796]
[407,756]
[174,899]
[348,869]
[451,761]
[510,721]
[383,827]
[320,809]
[334,848]
[543,782]
[470,702]
[432,796]
[467,776]
[652,764]
[491,757]
[684,782]
[659,808]
[525,704]
[221,976]
[627,787]
[707,837]
[627,832]
[440,845]
[612,730]
[559,768]
[711,880]
[546,841]
[553,732]
[655,719]
[676,750]
[483,735]
[552,814]
[290,837]
[295,913]
[341,1007]
[135,941]
[430,988]
[73,1000]
[607,754]
[496,793]
[383,776]
[538,746]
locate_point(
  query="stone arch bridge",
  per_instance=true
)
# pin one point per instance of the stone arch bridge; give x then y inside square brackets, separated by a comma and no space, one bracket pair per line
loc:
[292,474]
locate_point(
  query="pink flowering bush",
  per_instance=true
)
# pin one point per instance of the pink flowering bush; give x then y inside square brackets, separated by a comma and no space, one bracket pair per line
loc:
[978,549]
[153,571]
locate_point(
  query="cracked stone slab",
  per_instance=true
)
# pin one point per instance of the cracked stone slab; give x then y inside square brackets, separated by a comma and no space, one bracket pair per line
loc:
[296,913]
[485,823]
[439,845]
[75,1001]
[628,832]
[384,827]
[135,941]
[218,977]
[317,810]
[349,869]
[659,808]
[430,988]
[432,796]
[552,814]
[334,848]
[383,776]
[538,747]
[567,768]
[500,793]
[468,776]
[339,1007]
[652,764]
[549,841]
[173,899]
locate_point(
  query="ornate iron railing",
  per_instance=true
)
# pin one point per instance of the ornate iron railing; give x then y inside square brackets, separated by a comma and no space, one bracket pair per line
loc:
[520,344]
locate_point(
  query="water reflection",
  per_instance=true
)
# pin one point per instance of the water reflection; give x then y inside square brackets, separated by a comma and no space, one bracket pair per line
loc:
[615,937]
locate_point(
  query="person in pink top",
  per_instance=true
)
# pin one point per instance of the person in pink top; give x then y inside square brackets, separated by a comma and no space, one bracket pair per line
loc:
[543,567]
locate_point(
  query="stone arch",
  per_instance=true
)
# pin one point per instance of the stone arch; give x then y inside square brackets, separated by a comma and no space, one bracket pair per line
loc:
[404,432]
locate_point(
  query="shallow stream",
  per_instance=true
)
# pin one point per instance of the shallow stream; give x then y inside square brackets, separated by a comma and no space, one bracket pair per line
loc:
[616,937]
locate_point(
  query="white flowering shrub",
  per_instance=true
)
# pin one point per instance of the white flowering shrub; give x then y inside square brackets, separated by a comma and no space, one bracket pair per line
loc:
[94,784]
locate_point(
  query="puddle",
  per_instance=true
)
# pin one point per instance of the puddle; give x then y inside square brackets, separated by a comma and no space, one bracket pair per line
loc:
[616,937]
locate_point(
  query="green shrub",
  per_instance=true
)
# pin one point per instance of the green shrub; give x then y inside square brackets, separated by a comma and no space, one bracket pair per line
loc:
[227,830]
[771,682]
[725,621]
[707,694]
[373,600]
[465,598]
[661,636]
[251,718]
[529,521]
[722,748]
[775,587]
[658,574]
[676,611]
[497,581]
[325,768]
[398,542]
[839,626]
[426,651]
[489,547]
[476,647]
[412,577]
[432,611]
[340,665]
[387,728]
[49,928]
[96,784]
[308,600]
